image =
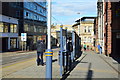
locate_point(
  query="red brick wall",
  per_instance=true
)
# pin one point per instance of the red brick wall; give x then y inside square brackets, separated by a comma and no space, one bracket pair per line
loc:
[105,27]
[109,35]
[112,26]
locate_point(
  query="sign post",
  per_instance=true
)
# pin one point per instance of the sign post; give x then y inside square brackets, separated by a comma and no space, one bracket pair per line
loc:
[23,38]
[61,50]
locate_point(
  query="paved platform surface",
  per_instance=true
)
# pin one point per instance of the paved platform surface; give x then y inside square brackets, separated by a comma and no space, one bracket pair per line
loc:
[93,66]
[89,66]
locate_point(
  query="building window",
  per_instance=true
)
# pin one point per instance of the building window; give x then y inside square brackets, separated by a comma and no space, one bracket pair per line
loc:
[40,10]
[35,29]
[6,26]
[35,17]
[85,29]
[27,14]
[90,39]
[89,29]
[84,39]
[13,28]
[17,13]
[1,27]
[13,43]
[26,27]
[30,28]
[35,7]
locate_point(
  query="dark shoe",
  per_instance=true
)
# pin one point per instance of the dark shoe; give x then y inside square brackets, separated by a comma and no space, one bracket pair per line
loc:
[43,64]
[38,61]
[38,64]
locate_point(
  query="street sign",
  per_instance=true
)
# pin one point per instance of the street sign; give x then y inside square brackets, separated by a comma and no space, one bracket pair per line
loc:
[23,36]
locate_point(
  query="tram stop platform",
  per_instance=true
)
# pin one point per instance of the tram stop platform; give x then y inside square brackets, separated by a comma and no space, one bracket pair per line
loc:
[89,66]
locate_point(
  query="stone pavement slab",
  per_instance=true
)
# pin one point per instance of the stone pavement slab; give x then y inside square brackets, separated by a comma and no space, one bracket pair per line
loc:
[110,61]
[92,66]
[34,71]
[88,66]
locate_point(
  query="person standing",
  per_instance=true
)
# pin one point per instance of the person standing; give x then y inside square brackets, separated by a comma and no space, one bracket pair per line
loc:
[70,45]
[85,46]
[40,50]
[99,49]
[70,49]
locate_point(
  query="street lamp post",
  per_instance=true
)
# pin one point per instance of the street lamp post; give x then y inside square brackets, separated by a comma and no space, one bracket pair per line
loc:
[49,52]
[78,27]
[79,30]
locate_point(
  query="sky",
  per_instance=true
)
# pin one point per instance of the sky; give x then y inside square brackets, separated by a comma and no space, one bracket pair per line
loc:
[66,11]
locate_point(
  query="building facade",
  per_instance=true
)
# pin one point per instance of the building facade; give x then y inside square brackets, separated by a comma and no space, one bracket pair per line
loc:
[55,33]
[32,19]
[85,28]
[109,27]
[76,27]
[87,33]
[8,33]
[35,22]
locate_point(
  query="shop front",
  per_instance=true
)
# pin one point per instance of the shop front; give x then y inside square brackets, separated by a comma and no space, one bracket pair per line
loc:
[8,33]
[9,42]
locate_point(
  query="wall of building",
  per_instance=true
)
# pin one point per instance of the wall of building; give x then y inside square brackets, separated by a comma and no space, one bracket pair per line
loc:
[111,26]
[55,30]
[87,33]
[32,19]
[8,33]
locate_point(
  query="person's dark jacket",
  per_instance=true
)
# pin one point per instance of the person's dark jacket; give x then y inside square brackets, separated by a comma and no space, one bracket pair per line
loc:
[70,46]
[40,46]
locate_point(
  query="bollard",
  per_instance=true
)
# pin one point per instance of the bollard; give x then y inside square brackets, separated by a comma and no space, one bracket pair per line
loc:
[49,54]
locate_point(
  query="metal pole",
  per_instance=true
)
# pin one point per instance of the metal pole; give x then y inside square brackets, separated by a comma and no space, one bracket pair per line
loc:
[73,42]
[49,24]
[61,50]
[49,52]
[79,30]
[25,46]
[78,27]
[22,45]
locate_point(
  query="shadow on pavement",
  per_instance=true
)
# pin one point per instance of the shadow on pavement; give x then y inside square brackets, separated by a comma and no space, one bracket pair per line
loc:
[72,68]
[54,60]
[90,73]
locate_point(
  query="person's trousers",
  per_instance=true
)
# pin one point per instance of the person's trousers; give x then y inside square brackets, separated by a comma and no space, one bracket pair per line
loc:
[100,51]
[40,57]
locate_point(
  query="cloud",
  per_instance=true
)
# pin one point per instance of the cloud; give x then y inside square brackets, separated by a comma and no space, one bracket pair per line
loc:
[67,1]
[66,10]
[72,8]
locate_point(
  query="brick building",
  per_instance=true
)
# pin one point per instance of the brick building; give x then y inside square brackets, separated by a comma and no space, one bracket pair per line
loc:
[109,27]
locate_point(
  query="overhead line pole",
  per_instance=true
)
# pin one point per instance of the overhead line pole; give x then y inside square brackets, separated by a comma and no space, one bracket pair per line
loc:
[49,52]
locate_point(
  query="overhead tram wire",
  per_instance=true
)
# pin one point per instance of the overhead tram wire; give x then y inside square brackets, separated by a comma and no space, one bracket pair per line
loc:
[57,20]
